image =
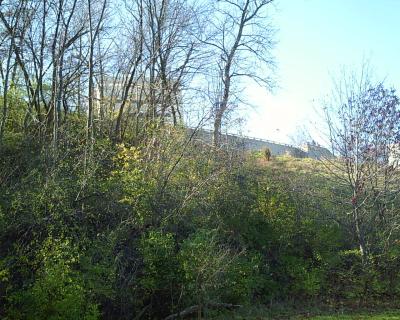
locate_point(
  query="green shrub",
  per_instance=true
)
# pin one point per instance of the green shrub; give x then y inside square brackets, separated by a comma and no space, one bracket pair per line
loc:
[130,185]
[58,291]
[161,276]
[160,269]
[215,273]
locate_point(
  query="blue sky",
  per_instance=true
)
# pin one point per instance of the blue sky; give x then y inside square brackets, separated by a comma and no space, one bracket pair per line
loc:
[316,39]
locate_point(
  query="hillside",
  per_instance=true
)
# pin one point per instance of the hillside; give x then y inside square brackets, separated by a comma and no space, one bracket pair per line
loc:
[149,230]
[116,202]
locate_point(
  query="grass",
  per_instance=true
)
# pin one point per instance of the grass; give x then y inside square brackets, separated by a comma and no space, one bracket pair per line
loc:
[265,314]
[381,316]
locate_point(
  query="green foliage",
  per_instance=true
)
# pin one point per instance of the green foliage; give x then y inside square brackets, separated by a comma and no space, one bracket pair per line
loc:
[133,187]
[160,269]
[213,272]
[349,279]
[204,263]
[97,266]
[242,278]
[57,291]
[16,115]
[153,228]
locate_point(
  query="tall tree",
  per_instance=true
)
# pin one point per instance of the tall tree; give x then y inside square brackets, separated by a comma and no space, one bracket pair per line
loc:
[363,119]
[162,57]
[241,40]
[5,74]
[134,63]
[95,23]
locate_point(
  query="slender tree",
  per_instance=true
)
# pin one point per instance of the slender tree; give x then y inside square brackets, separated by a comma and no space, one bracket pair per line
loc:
[241,38]
[94,29]
[363,121]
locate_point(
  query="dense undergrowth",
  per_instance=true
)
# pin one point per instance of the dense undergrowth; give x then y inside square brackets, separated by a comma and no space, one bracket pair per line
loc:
[142,230]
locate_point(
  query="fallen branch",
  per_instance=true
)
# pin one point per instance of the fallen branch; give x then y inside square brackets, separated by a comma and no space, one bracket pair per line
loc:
[193,309]
[142,312]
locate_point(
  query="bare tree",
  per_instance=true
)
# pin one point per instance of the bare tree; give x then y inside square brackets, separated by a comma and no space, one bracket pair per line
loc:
[363,121]
[62,40]
[134,63]
[16,19]
[162,57]
[5,74]
[142,72]
[95,23]
[241,40]
[42,40]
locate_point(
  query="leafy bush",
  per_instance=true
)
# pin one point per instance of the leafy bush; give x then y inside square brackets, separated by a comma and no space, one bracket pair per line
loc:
[215,273]
[161,272]
[57,291]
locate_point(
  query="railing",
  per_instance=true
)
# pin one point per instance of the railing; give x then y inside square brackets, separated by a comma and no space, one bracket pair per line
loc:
[249,138]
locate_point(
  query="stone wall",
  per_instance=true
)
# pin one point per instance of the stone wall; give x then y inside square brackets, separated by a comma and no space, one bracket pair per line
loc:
[310,150]
[316,151]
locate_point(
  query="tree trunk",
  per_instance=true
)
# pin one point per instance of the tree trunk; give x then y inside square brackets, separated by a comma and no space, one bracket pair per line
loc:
[5,95]
[217,130]
[360,235]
